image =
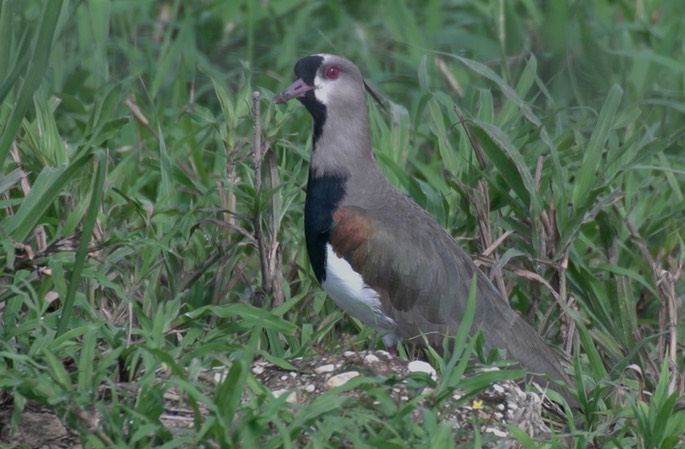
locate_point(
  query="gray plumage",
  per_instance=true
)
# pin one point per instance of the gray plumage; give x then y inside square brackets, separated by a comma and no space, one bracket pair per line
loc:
[420,273]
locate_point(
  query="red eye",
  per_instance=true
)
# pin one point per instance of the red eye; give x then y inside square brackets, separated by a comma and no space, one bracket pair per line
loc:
[332,72]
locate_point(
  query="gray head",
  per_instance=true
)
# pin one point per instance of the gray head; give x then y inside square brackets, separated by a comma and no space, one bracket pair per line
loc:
[328,79]
[333,91]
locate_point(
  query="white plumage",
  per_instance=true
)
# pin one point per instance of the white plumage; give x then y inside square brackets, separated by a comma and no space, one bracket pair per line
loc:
[348,290]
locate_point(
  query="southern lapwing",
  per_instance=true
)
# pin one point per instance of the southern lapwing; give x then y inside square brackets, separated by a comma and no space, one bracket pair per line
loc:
[378,255]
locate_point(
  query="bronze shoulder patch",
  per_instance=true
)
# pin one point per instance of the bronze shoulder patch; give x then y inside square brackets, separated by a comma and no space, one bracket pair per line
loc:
[351,228]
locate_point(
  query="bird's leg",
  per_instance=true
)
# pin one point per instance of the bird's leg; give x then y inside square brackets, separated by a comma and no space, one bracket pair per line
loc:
[390,341]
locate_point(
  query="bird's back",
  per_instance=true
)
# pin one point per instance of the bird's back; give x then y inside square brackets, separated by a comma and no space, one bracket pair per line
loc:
[425,275]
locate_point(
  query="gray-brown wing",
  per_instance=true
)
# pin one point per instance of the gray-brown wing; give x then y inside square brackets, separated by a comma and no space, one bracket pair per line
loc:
[423,277]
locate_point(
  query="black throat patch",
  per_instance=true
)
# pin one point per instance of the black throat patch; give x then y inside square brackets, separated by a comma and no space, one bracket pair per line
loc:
[318,112]
[306,69]
[324,195]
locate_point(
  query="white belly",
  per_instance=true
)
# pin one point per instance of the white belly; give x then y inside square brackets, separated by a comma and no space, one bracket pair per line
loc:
[348,290]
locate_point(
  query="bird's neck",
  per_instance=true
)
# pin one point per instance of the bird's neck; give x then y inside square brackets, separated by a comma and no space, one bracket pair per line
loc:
[342,147]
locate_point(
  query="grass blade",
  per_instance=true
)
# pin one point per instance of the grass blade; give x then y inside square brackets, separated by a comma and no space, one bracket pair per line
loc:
[86,234]
[587,174]
[34,74]
[48,186]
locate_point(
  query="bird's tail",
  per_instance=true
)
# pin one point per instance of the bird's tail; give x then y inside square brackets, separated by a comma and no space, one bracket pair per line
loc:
[525,345]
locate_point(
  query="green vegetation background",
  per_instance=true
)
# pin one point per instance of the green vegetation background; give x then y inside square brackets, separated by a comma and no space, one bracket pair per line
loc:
[142,231]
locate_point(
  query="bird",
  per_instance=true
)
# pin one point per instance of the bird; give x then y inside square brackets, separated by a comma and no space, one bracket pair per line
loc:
[378,255]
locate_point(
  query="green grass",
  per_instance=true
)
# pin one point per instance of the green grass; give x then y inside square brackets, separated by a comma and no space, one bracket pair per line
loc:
[140,233]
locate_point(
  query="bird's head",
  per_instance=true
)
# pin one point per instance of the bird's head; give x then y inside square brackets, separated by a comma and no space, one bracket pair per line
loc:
[325,80]
[333,91]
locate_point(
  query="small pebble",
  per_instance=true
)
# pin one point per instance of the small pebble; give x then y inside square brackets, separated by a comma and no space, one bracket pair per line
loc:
[291,398]
[496,432]
[370,358]
[419,366]
[341,379]
[324,368]
[219,376]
